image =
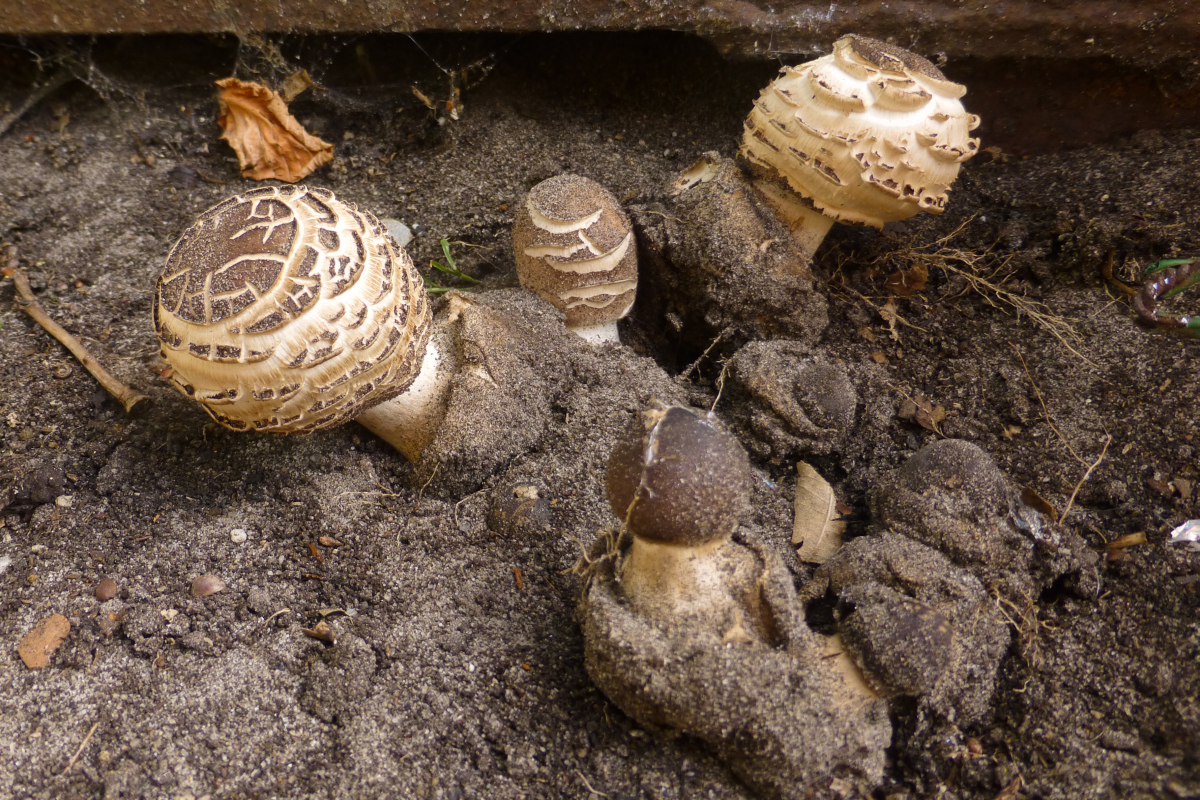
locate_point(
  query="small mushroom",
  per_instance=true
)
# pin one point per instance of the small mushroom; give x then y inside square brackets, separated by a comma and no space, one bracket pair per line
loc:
[866,135]
[681,486]
[286,310]
[574,246]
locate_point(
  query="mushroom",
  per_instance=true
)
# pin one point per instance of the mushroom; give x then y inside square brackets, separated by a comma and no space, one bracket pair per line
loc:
[286,310]
[866,135]
[681,486]
[574,246]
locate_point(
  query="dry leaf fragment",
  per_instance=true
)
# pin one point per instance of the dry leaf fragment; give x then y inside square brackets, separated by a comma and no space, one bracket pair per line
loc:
[269,142]
[922,411]
[907,282]
[1129,540]
[818,526]
[890,314]
[40,643]
[321,632]
[295,85]
[1031,498]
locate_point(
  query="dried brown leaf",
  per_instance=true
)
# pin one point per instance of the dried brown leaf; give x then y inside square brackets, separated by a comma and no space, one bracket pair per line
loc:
[908,282]
[295,85]
[929,416]
[269,142]
[891,315]
[817,527]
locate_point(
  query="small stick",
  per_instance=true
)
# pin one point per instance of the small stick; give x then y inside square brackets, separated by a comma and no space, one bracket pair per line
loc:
[59,78]
[75,757]
[133,402]
[1086,475]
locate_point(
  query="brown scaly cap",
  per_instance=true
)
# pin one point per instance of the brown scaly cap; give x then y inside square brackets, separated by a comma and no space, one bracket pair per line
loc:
[284,309]
[677,478]
[574,246]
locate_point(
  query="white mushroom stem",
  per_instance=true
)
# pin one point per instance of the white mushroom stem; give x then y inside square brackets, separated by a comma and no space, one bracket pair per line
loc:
[678,578]
[604,333]
[409,421]
[857,689]
[808,225]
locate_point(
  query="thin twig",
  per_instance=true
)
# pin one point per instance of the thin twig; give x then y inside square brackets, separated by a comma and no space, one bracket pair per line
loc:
[692,367]
[879,310]
[1045,412]
[86,739]
[588,785]
[59,78]
[1086,475]
[133,402]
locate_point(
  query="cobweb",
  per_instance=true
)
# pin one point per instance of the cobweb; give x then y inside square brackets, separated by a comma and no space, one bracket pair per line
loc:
[353,74]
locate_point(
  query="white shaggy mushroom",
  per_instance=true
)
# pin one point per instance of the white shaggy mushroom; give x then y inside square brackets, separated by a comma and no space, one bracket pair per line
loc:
[866,135]
[286,310]
[574,246]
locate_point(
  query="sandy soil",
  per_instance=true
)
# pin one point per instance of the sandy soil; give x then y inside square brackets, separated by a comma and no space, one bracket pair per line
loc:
[458,667]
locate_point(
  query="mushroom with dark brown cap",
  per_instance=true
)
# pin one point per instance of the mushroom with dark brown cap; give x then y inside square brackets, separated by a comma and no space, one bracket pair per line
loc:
[681,485]
[689,627]
[284,309]
[574,246]
[869,134]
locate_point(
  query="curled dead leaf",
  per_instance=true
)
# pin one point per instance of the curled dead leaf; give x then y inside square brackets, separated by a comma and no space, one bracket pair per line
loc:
[295,85]
[269,142]
[1031,498]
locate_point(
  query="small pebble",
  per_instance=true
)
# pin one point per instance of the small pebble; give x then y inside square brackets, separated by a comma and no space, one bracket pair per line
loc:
[106,590]
[205,585]
[237,535]
[64,500]
[399,231]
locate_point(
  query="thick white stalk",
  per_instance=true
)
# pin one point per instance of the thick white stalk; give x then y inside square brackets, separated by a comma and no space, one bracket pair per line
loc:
[409,421]
[808,225]
[675,577]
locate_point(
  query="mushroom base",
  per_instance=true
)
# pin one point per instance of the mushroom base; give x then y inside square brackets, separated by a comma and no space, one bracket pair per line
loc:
[601,333]
[780,715]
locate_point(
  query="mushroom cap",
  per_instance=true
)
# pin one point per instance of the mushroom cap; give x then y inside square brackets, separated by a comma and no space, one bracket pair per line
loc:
[677,478]
[284,309]
[574,246]
[868,134]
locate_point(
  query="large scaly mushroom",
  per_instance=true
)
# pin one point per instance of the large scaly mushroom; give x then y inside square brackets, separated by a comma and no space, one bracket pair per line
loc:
[286,310]
[866,135]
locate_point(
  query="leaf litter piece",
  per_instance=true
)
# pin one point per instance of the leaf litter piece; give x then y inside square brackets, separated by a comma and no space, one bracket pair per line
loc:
[269,142]
[818,526]
[39,644]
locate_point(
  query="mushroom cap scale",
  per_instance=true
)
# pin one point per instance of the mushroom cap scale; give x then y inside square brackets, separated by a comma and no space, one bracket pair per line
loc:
[284,309]
[676,478]
[868,134]
[574,246]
